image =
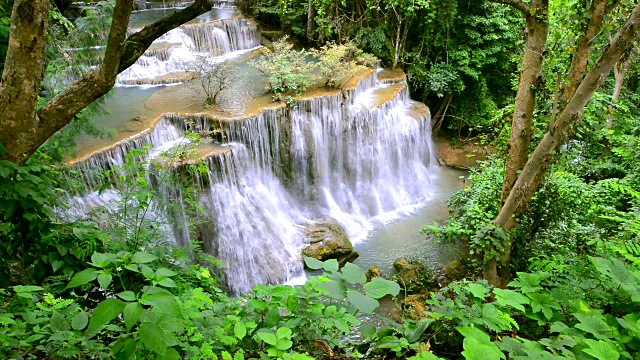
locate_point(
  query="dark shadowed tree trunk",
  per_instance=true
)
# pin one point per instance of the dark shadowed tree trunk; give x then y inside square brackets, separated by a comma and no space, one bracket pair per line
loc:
[22,128]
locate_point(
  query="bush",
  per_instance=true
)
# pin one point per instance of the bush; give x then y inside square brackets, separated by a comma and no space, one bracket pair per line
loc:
[339,63]
[287,70]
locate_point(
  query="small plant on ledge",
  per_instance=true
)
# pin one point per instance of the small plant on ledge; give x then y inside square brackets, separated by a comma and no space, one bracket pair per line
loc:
[340,63]
[287,70]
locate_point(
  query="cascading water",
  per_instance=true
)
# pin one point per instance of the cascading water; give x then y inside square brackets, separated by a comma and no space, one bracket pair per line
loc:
[255,231]
[361,162]
[173,54]
[362,156]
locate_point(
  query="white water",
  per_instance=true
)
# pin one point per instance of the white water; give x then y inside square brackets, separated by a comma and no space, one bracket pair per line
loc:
[175,52]
[360,156]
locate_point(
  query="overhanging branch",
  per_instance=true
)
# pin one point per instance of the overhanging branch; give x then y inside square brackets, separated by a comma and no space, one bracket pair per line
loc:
[137,43]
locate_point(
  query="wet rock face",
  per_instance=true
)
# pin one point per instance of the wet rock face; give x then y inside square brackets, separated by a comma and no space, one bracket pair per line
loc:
[328,240]
[414,277]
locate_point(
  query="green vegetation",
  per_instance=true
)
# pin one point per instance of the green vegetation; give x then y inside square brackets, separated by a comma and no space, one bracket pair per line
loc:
[549,224]
[286,69]
[291,72]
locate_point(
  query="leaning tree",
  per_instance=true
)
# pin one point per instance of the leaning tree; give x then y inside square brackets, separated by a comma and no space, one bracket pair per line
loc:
[24,126]
[525,171]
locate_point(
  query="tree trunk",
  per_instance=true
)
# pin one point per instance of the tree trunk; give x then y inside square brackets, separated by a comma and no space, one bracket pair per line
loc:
[537,26]
[24,130]
[438,118]
[22,75]
[534,170]
[619,71]
[310,19]
[580,59]
[396,52]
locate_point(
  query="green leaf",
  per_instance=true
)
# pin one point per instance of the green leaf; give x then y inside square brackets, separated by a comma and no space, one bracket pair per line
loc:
[272,318]
[368,331]
[143,258]
[167,282]
[529,282]
[378,287]
[283,333]
[58,323]
[268,337]
[478,346]
[101,260]
[26,288]
[153,338]
[601,350]
[147,271]
[105,280]
[164,272]
[132,313]
[313,264]
[163,301]
[510,298]
[106,311]
[171,354]
[545,303]
[594,324]
[353,274]
[478,291]
[80,321]
[335,289]
[330,265]
[83,277]
[361,302]
[127,295]
[240,330]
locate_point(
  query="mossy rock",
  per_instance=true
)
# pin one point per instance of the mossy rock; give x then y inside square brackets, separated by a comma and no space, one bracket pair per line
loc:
[329,241]
[373,272]
[413,276]
[455,270]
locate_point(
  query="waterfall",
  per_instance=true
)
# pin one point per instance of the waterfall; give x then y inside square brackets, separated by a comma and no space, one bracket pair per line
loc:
[253,220]
[364,162]
[170,58]
[362,155]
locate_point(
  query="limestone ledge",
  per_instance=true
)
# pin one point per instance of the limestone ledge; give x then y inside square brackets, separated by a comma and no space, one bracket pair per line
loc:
[392,76]
[165,100]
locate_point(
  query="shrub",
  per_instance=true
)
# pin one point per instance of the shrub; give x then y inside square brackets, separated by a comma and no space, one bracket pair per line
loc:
[214,77]
[287,70]
[339,63]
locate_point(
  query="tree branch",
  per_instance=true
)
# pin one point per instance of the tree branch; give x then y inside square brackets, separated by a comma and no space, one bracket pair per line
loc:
[531,175]
[518,4]
[580,59]
[137,43]
[119,55]
[63,107]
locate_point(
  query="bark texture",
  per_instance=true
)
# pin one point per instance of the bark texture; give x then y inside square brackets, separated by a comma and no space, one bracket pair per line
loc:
[537,27]
[533,172]
[22,75]
[580,59]
[24,129]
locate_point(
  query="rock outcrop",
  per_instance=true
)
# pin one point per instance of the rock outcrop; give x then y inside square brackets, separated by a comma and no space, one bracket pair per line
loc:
[328,240]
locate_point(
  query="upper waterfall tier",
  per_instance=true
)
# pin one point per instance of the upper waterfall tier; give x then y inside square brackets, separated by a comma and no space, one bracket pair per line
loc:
[173,55]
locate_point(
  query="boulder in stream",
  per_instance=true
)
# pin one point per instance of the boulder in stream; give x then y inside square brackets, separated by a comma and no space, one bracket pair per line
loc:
[328,240]
[413,276]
